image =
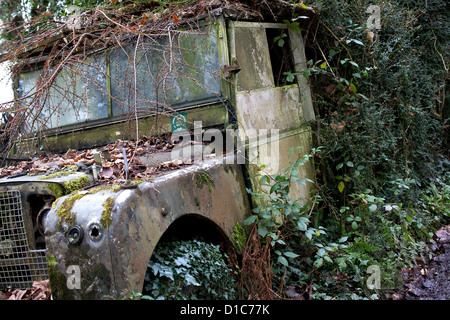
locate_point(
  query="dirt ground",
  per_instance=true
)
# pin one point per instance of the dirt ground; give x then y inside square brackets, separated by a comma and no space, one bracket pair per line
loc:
[431,280]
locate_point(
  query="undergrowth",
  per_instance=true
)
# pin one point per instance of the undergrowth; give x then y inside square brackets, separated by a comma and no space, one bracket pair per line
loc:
[188,270]
[382,186]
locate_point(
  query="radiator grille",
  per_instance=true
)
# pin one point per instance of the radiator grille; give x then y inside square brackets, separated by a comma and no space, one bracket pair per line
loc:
[19,266]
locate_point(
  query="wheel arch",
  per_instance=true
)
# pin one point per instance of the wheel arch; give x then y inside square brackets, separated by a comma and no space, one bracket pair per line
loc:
[191,225]
[173,205]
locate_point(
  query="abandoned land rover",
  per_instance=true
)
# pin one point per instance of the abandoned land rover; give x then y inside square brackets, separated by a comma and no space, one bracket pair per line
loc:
[224,77]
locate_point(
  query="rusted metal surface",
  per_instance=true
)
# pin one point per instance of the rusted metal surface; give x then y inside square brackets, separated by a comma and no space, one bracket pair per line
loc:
[114,262]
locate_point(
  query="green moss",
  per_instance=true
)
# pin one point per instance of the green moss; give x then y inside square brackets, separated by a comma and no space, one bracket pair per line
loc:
[58,283]
[65,210]
[51,260]
[203,178]
[64,172]
[239,237]
[55,203]
[106,213]
[77,184]
[107,187]
[197,202]
[100,188]
[115,187]
[56,189]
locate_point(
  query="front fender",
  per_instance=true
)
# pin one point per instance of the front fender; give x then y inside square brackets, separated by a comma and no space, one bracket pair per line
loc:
[115,264]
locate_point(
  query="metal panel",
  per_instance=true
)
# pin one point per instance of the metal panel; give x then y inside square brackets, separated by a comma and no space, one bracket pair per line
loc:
[252,55]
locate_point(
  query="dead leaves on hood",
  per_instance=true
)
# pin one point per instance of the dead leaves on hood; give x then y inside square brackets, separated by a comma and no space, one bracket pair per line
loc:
[113,165]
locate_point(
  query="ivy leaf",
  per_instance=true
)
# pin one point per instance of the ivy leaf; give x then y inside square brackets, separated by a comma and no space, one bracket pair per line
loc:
[262,231]
[318,263]
[290,254]
[180,261]
[283,261]
[156,268]
[301,225]
[290,77]
[355,41]
[191,280]
[321,252]
[354,225]
[309,233]
[250,220]
[306,73]
[372,208]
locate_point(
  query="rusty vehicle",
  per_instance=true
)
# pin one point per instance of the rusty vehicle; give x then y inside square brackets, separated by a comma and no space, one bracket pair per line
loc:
[49,223]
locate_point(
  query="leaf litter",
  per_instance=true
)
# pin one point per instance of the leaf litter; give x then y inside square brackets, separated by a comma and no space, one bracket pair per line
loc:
[40,290]
[430,280]
[113,164]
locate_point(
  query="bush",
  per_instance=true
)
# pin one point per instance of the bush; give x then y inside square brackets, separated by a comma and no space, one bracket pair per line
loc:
[188,270]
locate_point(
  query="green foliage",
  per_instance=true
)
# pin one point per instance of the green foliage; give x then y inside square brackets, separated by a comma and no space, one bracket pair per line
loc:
[382,187]
[382,107]
[29,9]
[278,206]
[188,270]
[287,224]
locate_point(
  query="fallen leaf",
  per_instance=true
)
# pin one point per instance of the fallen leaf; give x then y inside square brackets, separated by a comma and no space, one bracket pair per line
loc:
[175,18]
[107,173]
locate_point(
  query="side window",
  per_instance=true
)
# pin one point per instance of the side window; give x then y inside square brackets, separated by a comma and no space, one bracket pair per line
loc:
[78,94]
[170,72]
[176,72]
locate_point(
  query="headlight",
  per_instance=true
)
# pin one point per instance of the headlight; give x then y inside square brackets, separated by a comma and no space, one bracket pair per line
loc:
[75,235]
